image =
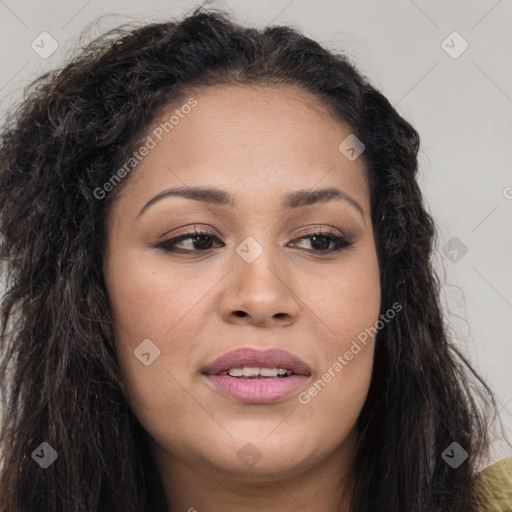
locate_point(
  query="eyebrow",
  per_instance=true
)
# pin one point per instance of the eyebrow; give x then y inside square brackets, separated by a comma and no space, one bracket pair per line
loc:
[296,199]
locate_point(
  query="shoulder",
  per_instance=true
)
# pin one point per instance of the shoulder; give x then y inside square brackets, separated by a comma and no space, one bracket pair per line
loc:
[495,486]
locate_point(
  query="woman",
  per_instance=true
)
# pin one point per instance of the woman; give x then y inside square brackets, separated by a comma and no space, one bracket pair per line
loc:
[220,294]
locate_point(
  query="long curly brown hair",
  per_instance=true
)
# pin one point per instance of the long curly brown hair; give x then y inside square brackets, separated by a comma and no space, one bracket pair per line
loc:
[59,374]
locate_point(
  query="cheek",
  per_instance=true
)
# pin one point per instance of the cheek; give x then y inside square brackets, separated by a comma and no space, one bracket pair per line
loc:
[149,320]
[339,388]
[148,301]
[349,309]
[349,300]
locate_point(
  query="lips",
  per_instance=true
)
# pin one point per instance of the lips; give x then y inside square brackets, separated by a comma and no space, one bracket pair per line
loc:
[251,358]
[257,377]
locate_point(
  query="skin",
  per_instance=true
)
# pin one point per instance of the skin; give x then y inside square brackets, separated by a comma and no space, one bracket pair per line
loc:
[257,143]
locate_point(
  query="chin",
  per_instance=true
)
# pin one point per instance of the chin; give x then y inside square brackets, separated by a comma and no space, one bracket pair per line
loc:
[255,454]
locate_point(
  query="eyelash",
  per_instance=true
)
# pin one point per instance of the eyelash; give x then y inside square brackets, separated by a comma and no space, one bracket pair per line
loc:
[339,242]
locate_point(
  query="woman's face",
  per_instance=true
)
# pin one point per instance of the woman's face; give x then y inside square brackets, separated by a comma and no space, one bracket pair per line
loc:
[250,282]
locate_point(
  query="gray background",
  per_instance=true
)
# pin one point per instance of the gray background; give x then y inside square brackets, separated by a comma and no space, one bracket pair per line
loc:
[461,104]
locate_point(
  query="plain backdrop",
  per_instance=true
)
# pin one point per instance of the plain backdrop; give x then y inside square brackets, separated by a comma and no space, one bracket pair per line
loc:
[446,66]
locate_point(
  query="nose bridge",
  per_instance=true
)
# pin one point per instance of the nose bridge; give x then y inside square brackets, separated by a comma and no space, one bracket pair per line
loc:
[258,289]
[258,265]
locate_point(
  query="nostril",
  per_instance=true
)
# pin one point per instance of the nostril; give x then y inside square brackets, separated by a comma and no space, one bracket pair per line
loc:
[240,313]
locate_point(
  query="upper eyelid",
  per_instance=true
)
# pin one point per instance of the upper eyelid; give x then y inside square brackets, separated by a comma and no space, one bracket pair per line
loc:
[311,228]
[310,231]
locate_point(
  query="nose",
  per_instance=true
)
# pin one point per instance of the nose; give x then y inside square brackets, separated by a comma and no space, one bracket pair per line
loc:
[259,293]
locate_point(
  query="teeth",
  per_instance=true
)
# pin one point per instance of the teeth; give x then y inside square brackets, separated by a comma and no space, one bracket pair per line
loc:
[269,372]
[251,371]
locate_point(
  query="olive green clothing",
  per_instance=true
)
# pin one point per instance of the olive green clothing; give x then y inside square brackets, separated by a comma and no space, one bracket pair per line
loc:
[495,486]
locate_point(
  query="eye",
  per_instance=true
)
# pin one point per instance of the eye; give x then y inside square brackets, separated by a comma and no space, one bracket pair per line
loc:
[202,241]
[320,240]
[197,241]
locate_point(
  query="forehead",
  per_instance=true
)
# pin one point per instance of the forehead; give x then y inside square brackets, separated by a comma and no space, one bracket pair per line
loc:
[251,120]
[253,138]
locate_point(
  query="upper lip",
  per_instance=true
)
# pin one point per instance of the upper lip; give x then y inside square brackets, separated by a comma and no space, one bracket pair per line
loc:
[273,358]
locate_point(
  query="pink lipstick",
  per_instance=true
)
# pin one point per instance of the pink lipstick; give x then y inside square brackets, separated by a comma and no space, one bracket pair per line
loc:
[257,377]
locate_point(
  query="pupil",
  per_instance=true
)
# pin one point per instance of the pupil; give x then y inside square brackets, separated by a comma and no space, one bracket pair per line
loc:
[324,245]
[202,239]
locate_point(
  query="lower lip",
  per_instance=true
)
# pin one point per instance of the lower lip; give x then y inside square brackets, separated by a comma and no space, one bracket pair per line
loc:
[258,391]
